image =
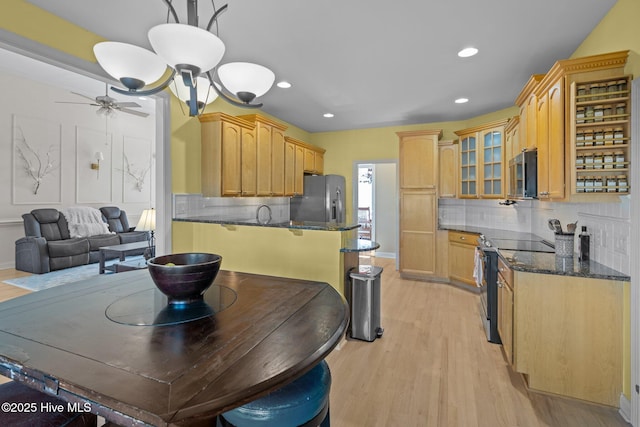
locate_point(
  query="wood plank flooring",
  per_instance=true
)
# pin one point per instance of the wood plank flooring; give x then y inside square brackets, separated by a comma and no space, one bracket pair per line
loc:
[433,367]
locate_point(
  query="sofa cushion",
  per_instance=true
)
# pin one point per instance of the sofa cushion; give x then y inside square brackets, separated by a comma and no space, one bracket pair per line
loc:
[53,225]
[68,247]
[116,218]
[100,240]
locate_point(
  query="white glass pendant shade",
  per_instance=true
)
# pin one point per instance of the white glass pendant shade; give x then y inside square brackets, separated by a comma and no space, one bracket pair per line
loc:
[206,94]
[186,44]
[122,60]
[246,77]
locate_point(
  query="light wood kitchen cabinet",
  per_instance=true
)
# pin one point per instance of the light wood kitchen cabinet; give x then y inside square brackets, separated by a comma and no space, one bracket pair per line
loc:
[448,168]
[511,140]
[313,160]
[248,157]
[293,167]
[482,163]
[527,103]
[269,167]
[418,159]
[568,335]
[418,226]
[418,154]
[462,250]
[221,153]
[505,309]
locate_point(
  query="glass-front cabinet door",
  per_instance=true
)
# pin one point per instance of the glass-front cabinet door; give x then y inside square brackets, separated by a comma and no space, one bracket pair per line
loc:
[492,149]
[468,166]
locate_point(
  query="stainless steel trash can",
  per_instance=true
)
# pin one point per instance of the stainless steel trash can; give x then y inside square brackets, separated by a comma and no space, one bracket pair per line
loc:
[365,303]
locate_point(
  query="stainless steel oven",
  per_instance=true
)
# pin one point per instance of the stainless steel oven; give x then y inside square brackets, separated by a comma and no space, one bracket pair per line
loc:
[487,263]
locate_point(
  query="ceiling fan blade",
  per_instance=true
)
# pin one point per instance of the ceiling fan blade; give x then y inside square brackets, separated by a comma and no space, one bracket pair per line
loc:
[134,112]
[84,96]
[128,104]
[77,103]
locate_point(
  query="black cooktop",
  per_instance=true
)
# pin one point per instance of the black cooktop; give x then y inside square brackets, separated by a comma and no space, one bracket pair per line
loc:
[522,245]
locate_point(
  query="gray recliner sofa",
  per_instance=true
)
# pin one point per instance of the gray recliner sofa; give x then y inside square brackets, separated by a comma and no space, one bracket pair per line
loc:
[48,245]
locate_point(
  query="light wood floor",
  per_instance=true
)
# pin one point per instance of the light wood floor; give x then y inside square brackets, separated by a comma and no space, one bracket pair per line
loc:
[432,368]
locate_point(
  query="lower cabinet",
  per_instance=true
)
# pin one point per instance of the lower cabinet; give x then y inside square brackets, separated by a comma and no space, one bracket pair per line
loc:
[418,210]
[462,249]
[505,309]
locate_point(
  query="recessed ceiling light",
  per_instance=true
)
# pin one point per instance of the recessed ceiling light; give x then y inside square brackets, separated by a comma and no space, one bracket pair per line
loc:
[467,52]
[327,115]
[283,85]
[461,100]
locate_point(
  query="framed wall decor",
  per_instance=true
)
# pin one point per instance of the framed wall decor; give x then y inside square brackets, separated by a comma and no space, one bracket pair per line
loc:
[137,163]
[37,171]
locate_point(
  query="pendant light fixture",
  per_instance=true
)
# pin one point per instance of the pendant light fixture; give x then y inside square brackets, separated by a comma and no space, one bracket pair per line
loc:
[192,54]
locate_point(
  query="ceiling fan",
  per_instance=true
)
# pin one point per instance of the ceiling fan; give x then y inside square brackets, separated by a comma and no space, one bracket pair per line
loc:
[108,106]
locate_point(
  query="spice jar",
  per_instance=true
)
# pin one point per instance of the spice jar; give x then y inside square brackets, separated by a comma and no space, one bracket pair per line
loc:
[579,138]
[598,184]
[607,159]
[582,89]
[594,89]
[612,184]
[608,136]
[588,160]
[598,159]
[588,114]
[588,137]
[598,113]
[623,186]
[580,184]
[608,111]
[580,115]
[598,136]
[588,184]
[580,161]
[619,159]
[612,87]
[618,135]
[620,110]
[622,85]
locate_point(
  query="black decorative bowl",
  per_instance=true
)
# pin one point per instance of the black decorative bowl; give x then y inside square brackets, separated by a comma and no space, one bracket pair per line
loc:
[184,278]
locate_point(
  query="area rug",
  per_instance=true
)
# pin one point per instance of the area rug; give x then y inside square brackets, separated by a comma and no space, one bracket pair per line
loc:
[38,282]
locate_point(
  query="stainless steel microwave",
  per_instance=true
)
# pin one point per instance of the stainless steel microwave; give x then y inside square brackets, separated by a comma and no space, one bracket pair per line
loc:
[523,175]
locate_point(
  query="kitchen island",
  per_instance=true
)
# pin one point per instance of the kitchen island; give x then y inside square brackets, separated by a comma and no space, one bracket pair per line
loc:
[303,250]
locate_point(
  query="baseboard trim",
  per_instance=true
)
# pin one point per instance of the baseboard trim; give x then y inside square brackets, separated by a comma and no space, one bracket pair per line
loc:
[390,255]
[625,408]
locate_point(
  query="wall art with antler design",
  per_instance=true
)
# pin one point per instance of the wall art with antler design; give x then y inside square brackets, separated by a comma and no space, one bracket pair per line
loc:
[36,161]
[137,162]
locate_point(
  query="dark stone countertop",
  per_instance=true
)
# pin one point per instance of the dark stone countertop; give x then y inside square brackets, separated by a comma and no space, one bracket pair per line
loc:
[549,263]
[541,262]
[360,245]
[301,225]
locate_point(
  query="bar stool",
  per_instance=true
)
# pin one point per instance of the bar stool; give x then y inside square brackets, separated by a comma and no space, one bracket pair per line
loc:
[33,412]
[302,403]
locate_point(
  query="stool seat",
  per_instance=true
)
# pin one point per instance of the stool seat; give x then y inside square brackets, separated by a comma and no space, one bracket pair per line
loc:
[35,416]
[293,405]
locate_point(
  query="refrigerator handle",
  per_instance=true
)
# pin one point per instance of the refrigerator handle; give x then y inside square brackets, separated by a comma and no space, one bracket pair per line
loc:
[339,207]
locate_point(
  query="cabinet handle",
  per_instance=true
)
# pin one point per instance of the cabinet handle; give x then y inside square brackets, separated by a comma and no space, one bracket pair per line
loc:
[500,284]
[544,193]
[462,238]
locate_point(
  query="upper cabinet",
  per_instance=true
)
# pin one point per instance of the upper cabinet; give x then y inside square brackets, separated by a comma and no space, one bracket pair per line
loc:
[418,157]
[448,168]
[269,161]
[581,105]
[481,162]
[224,138]
[527,103]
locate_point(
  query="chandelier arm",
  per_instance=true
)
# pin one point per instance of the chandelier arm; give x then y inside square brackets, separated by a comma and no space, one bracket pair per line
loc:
[172,10]
[147,92]
[193,100]
[228,98]
[215,16]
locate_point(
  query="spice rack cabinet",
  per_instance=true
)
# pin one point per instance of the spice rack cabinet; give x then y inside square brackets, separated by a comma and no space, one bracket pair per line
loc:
[600,136]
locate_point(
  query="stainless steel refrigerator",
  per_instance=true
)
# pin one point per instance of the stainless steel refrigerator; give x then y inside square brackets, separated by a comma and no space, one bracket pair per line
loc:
[323,200]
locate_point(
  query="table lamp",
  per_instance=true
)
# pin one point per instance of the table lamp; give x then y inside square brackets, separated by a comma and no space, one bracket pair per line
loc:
[148,223]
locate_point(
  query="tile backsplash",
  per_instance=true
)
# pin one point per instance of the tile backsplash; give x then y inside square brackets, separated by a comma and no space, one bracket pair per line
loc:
[609,224]
[229,208]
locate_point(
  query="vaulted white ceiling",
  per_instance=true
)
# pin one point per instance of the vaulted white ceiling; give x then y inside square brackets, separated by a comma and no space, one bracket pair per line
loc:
[372,63]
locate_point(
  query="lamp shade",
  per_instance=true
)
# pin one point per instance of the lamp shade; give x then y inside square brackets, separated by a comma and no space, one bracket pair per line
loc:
[147,220]
[180,44]
[206,94]
[122,60]
[246,77]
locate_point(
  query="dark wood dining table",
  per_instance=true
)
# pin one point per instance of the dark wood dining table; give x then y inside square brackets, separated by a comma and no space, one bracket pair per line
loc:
[108,345]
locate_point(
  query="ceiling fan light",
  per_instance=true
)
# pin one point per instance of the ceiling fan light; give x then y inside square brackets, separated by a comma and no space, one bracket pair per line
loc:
[206,94]
[246,77]
[180,44]
[126,61]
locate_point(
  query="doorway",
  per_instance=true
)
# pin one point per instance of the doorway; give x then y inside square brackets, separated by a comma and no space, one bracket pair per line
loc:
[375,202]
